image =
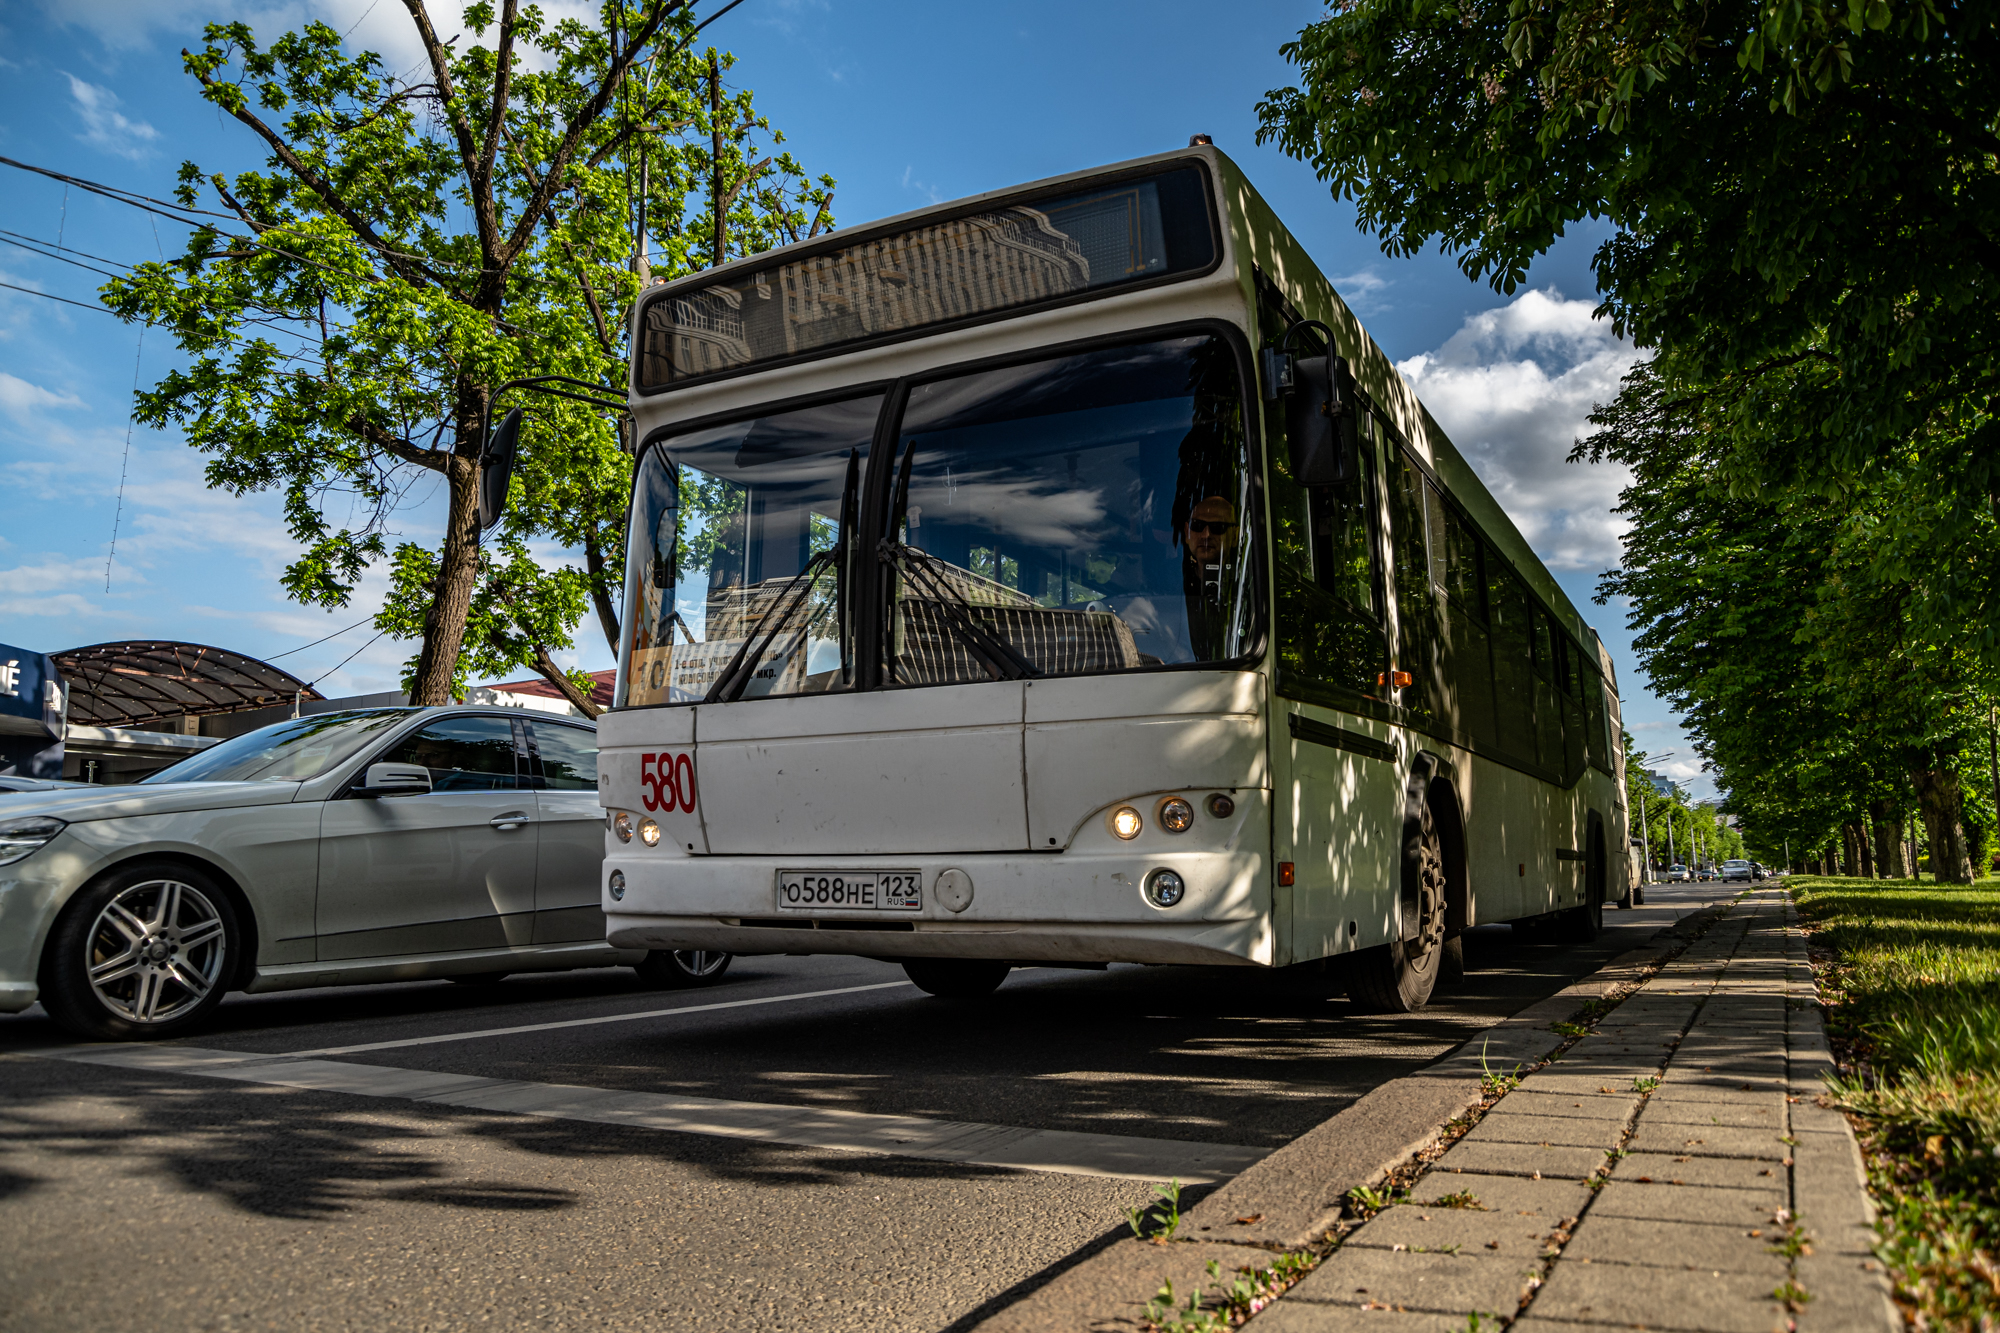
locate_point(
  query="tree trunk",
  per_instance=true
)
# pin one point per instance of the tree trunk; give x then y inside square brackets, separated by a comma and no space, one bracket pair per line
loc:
[451,595]
[607,614]
[1861,843]
[1938,798]
[1850,860]
[559,678]
[1888,841]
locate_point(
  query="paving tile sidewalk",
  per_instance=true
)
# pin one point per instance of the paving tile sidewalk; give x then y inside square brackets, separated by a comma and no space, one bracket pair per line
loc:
[1650,1178]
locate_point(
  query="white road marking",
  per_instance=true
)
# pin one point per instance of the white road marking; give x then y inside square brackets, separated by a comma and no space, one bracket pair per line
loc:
[1061,1151]
[575,1022]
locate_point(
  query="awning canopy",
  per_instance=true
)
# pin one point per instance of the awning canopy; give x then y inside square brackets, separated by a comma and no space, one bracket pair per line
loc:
[133,684]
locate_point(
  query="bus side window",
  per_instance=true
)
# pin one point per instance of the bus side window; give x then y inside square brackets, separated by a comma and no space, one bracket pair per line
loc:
[1597,736]
[1330,642]
[1417,648]
[1513,660]
[1548,700]
[1468,660]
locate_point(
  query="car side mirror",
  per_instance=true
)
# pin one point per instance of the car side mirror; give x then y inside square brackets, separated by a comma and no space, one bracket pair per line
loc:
[395,780]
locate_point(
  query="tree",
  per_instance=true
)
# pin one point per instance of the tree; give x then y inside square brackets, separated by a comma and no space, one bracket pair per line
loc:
[1801,674]
[410,247]
[1806,204]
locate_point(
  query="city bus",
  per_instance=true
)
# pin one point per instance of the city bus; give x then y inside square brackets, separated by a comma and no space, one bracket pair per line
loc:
[1063,577]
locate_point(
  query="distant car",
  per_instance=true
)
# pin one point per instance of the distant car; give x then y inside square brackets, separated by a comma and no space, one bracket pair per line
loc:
[1733,870]
[371,845]
[1679,874]
[1757,870]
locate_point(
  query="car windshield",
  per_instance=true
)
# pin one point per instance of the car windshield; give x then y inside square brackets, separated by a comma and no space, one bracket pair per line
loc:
[289,751]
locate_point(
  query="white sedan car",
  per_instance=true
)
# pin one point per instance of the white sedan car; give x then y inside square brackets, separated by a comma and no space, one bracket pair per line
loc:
[375,845]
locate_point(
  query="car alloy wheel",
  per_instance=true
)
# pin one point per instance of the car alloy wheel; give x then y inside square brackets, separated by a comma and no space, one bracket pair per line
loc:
[156,951]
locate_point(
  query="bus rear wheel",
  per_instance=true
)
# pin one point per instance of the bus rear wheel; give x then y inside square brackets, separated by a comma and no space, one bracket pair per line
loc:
[1398,977]
[957,978]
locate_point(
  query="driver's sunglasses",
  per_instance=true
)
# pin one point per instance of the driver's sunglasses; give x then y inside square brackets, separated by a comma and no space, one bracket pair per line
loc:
[1209,529]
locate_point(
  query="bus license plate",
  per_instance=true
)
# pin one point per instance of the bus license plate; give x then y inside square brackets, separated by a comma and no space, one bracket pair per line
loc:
[850,891]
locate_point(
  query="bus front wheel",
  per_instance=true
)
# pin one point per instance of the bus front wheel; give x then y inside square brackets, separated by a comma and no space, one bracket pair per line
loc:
[1398,977]
[957,978]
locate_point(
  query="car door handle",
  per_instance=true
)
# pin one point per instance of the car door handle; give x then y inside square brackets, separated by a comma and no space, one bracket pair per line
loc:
[508,822]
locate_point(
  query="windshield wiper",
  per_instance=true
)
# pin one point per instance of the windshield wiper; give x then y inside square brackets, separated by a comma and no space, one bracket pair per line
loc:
[921,570]
[736,676]
[1000,658]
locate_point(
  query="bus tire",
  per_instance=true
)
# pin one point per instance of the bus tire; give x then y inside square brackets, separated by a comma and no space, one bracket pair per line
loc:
[1398,977]
[957,978]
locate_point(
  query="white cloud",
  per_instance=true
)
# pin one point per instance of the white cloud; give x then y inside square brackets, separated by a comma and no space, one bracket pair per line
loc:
[18,397]
[1362,291]
[381,26]
[1513,388]
[104,125]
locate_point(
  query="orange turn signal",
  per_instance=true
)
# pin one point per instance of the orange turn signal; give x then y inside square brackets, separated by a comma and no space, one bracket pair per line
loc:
[1284,873]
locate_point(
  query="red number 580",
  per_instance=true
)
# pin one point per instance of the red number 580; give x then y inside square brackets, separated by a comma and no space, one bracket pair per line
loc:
[666,782]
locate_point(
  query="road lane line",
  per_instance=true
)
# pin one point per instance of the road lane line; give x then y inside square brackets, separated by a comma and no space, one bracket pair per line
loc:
[572,1023]
[1064,1152]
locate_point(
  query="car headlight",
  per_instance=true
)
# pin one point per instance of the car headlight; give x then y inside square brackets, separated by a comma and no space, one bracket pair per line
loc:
[1176,815]
[621,824]
[22,837]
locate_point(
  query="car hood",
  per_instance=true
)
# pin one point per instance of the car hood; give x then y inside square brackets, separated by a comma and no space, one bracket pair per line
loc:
[167,798]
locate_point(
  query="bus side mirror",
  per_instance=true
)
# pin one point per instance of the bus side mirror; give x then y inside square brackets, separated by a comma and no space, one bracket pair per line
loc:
[496,469]
[1319,422]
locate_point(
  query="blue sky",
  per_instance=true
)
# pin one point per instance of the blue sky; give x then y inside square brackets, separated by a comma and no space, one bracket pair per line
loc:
[905,103]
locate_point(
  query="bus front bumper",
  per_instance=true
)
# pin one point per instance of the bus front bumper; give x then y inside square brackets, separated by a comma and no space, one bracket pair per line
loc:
[1060,907]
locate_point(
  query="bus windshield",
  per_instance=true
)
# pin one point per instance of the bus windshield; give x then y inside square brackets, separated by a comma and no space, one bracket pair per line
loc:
[1073,515]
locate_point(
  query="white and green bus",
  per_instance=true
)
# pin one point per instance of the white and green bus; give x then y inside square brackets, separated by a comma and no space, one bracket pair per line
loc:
[1062,576]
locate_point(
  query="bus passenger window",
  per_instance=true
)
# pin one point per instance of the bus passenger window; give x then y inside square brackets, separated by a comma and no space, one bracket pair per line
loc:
[1513,660]
[1416,602]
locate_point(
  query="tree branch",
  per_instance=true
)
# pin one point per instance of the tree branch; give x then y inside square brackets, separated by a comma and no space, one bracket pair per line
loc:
[729,199]
[590,299]
[319,185]
[396,445]
[468,151]
[502,86]
[594,564]
[580,124]
[559,678]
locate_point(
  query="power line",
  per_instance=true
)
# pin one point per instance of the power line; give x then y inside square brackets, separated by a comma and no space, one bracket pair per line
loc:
[125,465]
[81,305]
[345,660]
[317,642]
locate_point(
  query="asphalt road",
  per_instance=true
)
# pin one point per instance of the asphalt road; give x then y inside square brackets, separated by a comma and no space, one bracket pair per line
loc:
[261,1199]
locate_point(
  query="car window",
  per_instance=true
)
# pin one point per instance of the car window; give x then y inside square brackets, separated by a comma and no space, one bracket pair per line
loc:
[569,756]
[463,754]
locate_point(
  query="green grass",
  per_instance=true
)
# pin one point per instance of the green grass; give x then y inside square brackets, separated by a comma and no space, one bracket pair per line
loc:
[1914,1004]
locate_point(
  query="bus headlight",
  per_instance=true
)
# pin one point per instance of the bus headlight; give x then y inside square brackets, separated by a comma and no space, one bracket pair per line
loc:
[617,884]
[1126,823]
[1164,888]
[621,824]
[649,833]
[1176,815]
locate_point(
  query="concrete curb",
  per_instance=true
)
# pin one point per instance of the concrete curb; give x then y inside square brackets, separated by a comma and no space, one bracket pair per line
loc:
[1297,1193]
